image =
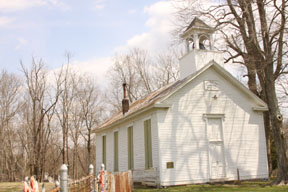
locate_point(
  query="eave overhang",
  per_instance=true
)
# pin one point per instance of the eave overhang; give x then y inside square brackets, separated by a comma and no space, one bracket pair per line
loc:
[258,108]
[132,115]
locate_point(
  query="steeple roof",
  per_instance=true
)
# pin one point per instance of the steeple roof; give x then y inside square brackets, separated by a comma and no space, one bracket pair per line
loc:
[197,24]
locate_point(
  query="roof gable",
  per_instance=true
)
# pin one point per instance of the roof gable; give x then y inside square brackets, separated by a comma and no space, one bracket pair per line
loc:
[225,74]
[157,98]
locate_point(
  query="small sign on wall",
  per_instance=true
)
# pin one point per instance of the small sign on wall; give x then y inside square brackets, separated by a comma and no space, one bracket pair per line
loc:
[170,165]
[211,85]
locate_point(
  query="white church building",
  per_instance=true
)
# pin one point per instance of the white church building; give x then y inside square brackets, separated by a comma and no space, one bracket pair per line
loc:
[202,128]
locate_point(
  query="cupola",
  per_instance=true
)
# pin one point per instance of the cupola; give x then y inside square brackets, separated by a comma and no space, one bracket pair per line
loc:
[200,51]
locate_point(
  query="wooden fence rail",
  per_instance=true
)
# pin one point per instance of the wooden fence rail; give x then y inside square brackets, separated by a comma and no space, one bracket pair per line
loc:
[86,184]
[121,182]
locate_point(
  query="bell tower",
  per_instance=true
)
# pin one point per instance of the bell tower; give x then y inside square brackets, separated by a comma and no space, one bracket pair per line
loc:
[200,51]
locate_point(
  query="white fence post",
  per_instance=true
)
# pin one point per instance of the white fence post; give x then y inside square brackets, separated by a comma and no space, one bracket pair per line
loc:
[91,169]
[43,187]
[64,178]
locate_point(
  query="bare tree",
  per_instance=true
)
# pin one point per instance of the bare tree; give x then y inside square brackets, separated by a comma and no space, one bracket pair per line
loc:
[129,68]
[36,130]
[167,69]
[256,37]
[63,114]
[68,89]
[282,92]
[75,133]
[9,107]
[142,73]
[42,107]
[91,110]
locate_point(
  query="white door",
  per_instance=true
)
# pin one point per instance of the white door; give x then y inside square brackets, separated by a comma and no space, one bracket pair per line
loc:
[216,154]
[217,165]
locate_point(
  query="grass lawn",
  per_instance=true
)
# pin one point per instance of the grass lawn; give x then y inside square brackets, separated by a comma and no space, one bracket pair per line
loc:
[19,186]
[245,186]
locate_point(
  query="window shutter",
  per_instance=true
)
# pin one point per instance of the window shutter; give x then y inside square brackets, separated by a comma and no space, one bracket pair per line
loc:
[148,144]
[130,149]
[116,151]
[104,150]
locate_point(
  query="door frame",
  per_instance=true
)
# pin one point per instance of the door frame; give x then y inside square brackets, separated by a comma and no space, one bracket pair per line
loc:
[206,117]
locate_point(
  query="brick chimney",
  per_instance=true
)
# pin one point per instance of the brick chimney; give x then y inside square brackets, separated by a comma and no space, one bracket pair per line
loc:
[125,100]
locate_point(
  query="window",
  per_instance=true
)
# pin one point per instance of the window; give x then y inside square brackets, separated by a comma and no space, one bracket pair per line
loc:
[104,150]
[130,149]
[116,151]
[148,144]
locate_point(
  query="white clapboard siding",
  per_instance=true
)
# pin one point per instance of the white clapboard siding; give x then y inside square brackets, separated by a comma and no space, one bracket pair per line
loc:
[179,135]
[139,173]
[182,133]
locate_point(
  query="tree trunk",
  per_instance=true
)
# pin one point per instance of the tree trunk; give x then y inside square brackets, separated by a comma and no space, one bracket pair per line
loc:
[63,148]
[276,123]
[267,126]
[67,147]
[89,146]
[73,164]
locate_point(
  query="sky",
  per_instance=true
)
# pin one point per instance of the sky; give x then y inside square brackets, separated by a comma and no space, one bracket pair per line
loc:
[93,31]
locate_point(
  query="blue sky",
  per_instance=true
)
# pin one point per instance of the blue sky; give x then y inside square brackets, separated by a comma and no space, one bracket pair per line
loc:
[92,30]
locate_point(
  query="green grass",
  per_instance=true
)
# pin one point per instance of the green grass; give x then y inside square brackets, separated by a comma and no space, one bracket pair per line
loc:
[19,186]
[245,186]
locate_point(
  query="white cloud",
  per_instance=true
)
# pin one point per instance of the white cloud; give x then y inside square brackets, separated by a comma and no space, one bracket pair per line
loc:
[96,67]
[157,37]
[5,20]
[58,4]
[160,25]
[21,42]
[132,11]
[161,17]
[16,5]
[98,4]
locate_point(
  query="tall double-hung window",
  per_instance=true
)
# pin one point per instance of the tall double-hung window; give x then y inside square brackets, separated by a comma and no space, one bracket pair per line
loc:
[116,167]
[148,144]
[130,149]
[104,150]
